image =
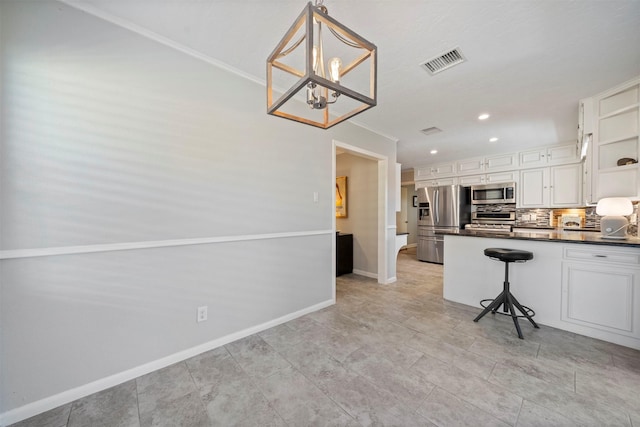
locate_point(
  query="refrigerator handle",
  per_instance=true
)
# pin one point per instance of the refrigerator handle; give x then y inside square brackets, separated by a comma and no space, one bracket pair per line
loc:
[437,207]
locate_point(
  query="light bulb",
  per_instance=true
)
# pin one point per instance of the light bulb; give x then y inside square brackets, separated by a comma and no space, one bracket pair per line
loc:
[335,64]
[315,59]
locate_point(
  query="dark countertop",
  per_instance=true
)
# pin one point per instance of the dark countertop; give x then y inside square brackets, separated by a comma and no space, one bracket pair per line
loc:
[554,235]
[529,227]
[401,234]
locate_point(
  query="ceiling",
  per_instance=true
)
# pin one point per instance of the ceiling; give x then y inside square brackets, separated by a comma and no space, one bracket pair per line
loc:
[528,62]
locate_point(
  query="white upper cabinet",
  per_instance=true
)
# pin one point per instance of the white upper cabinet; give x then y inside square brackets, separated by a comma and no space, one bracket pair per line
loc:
[452,180]
[500,162]
[552,155]
[565,185]
[435,171]
[533,191]
[551,187]
[489,178]
[546,177]
[470,166]
[468,180]
[616,143]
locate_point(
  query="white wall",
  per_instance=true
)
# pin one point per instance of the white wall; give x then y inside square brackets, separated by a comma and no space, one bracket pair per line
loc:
[362,210]
[112,141]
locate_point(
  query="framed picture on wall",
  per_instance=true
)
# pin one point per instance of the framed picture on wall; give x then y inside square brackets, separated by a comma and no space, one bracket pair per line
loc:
[415,201]
[341,197]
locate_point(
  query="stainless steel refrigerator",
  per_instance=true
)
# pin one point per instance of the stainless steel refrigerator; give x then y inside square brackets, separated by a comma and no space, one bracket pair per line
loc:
[440,208]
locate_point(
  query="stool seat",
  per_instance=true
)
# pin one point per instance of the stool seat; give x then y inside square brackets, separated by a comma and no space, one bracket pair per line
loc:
[508,255]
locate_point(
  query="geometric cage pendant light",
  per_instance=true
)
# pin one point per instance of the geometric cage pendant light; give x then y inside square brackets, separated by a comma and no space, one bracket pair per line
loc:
[321,93]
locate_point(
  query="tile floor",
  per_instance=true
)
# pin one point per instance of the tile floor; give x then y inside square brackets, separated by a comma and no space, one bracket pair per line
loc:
[394,355]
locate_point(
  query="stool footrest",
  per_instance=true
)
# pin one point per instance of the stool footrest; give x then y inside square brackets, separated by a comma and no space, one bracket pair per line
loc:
[528,311]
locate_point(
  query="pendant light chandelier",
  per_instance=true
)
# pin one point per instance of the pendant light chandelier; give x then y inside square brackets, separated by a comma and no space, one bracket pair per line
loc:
[347,80]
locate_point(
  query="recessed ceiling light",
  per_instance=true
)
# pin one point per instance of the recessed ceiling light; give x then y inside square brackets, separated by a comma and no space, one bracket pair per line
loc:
[434,151]
[483,116]
[494,139]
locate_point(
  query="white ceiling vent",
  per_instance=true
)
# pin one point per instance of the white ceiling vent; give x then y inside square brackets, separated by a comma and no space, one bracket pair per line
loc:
[431,130]
[444,61]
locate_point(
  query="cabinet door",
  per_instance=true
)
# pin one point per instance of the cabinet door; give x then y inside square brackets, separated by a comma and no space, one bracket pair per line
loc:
[566,185]
[533,158]
[447,181]
[533,191]
[443,169]
[510,176]
[563,154]
[471,180]
[601,296]
[471,165]
[422,173]
[501,162]
[421,184]
[616,139]
[623,182]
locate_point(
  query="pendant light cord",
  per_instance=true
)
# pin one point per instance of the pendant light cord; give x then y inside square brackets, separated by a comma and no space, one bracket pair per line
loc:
[320,5]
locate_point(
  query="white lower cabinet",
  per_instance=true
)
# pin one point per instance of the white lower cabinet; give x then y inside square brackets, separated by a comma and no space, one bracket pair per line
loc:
[587,289]
[601,289]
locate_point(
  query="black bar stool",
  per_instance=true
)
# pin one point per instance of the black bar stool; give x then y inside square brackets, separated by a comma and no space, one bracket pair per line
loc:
[506,298]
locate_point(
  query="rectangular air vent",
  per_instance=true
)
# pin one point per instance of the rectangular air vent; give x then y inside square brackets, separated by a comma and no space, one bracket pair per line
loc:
[431,130]
[444,61]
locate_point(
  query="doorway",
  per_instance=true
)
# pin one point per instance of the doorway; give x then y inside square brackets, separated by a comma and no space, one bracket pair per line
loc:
[370,248]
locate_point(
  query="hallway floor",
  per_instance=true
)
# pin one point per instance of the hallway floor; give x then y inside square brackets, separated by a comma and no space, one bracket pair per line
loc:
[392,355]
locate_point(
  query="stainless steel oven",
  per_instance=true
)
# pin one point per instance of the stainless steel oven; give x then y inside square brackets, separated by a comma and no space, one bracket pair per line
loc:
[493,218]
[493,193]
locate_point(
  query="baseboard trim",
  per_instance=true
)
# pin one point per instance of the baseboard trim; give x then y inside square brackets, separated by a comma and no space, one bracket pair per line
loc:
[365,273]
[31,409]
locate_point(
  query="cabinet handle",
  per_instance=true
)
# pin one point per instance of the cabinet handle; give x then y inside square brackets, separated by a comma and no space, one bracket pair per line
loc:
[600,256]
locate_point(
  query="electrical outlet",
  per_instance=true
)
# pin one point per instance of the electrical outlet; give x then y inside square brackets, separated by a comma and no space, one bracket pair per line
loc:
[202,313]
[315,197]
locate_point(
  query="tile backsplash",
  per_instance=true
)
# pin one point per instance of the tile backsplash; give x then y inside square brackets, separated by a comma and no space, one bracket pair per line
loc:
[551,218]
[533,217]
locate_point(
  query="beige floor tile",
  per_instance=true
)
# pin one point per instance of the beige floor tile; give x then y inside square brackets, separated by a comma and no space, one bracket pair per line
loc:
[384,355]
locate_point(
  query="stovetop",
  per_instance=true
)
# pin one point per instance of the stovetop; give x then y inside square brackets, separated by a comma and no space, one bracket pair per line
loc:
[494,228]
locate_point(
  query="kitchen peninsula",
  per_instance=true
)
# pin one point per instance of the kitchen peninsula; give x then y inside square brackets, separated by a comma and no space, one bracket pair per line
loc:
[576,281]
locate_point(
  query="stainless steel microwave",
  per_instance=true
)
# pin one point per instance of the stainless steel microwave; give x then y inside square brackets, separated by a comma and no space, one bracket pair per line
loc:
[493,193]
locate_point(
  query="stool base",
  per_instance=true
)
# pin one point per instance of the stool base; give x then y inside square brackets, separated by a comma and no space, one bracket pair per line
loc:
[507,299]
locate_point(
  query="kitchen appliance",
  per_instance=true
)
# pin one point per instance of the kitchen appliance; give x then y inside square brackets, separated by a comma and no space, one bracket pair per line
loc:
[443,208]
[614,210]
[493,193]
[493,218]
[489,228]
[571,221]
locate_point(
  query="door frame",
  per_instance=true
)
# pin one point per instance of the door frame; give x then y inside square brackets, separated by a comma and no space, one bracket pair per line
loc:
[383,183]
